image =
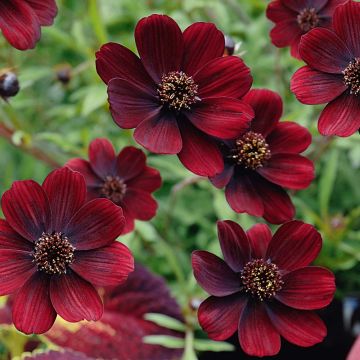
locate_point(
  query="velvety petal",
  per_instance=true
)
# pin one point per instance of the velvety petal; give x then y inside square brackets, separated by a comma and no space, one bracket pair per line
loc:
[234,244]
[26,209]
[130,163]
[160,45]
[160,134]
[323,50]
[45,10]
[226,76]
[309,288]
[214,275]
[289,137]
[32,311]
[294,48]
[116,61]
[299,5]
[302,328]
[260,237]
[219,317]
[314,87]
[257,335]
[140,203]
[224,118]
[16,267]
[294,245]
[285,32]
[10,239]
[130,104]
[268,109]
[202,43]
[222,179]
[276,11]
[340,117]
[74,299]
[66,191]
[129,219]
[98,223]
[102,157]
[84,167]
[148,180]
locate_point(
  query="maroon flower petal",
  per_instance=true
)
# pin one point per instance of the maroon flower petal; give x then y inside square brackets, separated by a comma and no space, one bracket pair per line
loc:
[45,10]
[10,239]
[129,219]
[302,328]
[234,244]
[289,137]
[116,61]
[257,335]
[109,265]
[224,77]
[277,12]
[160,45]
[260,237]
[32,310]
[299,5]
[26,209]
[309,288]
[98,223]
[202,42]
[130,163]
[84,167]
[294,245]
[140,204]
[149,180]
[323,50]
[66,191]
[341,117]
[102,157]
[292,171]
[314,87]
[268,109]
[214,275]
[74,299]
[16,267]
[219,317]
[221,117]
[286,32]
[294,48]
[222,179]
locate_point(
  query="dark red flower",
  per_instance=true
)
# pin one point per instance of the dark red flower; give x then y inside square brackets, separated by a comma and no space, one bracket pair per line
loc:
[265,159]
[294,18]
[125,179]
[178,92]
[264,288]
[54,246]
[21,20]
[333,72]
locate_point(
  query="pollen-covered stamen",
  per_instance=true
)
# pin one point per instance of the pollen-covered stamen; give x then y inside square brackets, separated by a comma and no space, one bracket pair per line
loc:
[308,19]
[261,279]
[113,188]
[53,253]
[352,76]
[251,151]
[178,91]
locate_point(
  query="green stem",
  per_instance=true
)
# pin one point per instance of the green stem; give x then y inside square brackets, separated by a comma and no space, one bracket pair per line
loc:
[97,21]
[189,352]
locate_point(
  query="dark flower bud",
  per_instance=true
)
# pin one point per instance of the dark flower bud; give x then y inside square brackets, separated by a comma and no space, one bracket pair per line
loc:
[229,45]
[63,74]
[9,84]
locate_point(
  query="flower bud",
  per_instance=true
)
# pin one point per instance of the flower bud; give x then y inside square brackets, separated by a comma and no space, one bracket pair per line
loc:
[9,84]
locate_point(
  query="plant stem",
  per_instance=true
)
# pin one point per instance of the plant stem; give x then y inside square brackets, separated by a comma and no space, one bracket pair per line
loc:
[97,21]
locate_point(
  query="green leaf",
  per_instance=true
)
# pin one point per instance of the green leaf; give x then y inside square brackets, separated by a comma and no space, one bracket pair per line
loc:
[165,321]
[95,97]
[209,345]
[170,342]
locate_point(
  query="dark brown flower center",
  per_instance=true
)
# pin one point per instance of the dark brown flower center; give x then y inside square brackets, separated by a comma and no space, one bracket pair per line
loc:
[178,91]
[251,151]
[308,19]
[261,279]
[113,188]
[352,76]
[53,253]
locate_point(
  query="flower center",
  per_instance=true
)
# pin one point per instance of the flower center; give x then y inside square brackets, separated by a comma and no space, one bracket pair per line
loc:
[113,188]
[308,19]
[352,76]
[177,90]
[53,253]
[261,279]
[251,151]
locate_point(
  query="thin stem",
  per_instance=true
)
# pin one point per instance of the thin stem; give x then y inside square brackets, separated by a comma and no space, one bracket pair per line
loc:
[97,21]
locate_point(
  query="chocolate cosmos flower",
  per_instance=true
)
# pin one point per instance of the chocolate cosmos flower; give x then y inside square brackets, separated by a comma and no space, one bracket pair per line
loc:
[21,20]
[333,72]
[125,179]
[54,247]
[264,288]
[265,159]
[178,92]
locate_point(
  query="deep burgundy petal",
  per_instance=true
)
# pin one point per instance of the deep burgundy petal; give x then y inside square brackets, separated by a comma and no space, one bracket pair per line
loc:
[140,203]
[98,223]
[45,10]
[10,239]
[32,310]
[129,219]
[277,12]
[130,163]
[309,288]
[214,275]
[234,244]
[340,117]
[26,209]
[294,245]
[202,43]
[74,299]
[222,179]
[260,237]
[286,32]
[84,167]
[299,5]
[148,180]
[219,317]
[160,45]
[102,157]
